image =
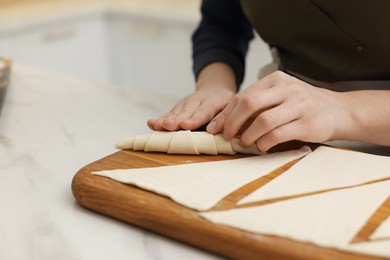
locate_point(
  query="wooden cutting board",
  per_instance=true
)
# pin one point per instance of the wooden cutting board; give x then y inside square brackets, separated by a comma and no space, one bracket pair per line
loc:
[161,215]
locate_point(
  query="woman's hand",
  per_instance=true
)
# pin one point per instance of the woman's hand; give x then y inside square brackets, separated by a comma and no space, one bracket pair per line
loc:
[215,87]
[281,108]
[193,111]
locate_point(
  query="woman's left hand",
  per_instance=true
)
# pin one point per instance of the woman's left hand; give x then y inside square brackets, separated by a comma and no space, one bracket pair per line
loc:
[281,108]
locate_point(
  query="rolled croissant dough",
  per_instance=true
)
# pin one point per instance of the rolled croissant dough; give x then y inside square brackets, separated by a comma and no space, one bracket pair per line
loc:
[185,142]
[383,231]
[330,219]
[202,185]
[325,168]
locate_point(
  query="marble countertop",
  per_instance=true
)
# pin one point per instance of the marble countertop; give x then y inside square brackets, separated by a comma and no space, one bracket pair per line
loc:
[27,15]
[51,126]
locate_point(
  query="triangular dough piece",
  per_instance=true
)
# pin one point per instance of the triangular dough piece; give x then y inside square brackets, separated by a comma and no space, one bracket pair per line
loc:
[325,168]
[376,248]
[383,231]
[202,185]
[329,219]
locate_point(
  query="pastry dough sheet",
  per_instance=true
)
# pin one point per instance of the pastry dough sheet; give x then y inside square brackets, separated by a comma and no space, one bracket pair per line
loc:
[323,169]
[202,185]
[330,219]
[376,248]
[383,231]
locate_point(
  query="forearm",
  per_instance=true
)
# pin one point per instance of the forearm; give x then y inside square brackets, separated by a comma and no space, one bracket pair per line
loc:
[223,35]
[217,77]
[368,116]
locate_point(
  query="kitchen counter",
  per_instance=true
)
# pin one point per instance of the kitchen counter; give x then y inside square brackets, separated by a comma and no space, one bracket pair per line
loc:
[113,41]
[52,125]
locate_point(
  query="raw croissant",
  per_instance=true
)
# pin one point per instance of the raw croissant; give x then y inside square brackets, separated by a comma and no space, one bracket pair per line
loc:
[185,142]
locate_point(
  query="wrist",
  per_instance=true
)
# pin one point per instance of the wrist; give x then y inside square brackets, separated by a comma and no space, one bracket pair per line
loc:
[217,76]
[366,116]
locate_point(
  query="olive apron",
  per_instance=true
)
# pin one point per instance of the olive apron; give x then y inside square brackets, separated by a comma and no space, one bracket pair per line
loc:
[340,45]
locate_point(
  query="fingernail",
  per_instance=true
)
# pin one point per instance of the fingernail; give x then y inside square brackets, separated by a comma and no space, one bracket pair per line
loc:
[211,127]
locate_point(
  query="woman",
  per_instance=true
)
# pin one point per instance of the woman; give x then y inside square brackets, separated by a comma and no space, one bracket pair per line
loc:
[332,83]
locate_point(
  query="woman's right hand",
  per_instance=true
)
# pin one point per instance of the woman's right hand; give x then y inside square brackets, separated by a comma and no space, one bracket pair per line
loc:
[215,87]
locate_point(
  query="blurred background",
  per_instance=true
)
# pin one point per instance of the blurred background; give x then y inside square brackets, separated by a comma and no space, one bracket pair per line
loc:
[138,43]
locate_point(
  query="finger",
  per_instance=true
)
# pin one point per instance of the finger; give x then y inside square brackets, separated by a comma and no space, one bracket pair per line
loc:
[158,126]
[171,120]
[216,125]
[204,113]
[155,123]
[294,130]
[151,123]
[195,122]
[249,105]
[267,121]
[170,124]
[175,121]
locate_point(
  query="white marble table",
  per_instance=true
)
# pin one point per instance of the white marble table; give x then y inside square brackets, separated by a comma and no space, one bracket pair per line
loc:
[51,126]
